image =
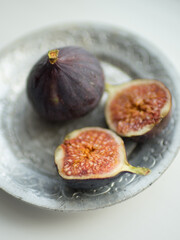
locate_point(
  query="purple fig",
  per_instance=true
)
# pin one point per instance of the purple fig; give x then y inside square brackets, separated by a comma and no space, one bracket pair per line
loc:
[66,83]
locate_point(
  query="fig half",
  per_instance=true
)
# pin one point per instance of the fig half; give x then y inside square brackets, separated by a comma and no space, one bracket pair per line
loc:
[92,157]
[138,108]
[66,83]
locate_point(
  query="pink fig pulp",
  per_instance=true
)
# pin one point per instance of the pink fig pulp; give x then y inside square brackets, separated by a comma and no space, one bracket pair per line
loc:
[138,108]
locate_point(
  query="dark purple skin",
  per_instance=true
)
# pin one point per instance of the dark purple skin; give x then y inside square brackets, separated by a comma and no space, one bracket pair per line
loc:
[67,89]
[88,184]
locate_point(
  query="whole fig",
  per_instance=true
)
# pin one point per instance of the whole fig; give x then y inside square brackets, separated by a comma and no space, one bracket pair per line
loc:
[66,83]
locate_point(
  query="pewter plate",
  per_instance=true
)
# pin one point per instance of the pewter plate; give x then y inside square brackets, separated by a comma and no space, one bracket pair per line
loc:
[27,143]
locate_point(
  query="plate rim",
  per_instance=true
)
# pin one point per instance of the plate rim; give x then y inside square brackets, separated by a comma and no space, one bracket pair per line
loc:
[19,193]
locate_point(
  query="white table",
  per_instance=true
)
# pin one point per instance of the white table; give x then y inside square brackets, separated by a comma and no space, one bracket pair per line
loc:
[154,213]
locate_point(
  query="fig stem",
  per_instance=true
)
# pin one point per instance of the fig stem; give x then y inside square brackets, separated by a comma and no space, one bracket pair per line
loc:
[53,55]
[111,88]
[108,87]
[137,170]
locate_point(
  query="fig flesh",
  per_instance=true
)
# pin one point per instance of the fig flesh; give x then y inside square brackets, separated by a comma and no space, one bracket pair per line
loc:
[66,83]
[140,107]
[92,157]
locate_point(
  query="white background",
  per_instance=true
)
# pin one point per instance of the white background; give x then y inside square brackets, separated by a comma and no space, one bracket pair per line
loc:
[155,212]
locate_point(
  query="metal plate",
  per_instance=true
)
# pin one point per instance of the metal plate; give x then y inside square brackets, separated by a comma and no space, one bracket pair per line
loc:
[27,143]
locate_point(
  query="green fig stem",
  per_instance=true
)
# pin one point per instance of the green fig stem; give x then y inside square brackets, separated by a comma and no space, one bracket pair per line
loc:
[137,170]
[53,56]
[108,87]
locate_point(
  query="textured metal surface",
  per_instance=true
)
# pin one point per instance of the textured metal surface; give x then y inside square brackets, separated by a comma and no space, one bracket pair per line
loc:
[27,143]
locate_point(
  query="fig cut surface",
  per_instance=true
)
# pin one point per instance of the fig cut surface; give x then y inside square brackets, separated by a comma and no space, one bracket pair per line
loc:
[92,154]
[136,107]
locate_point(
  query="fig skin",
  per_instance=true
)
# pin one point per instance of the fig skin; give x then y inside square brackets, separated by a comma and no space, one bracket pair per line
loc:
[66,83]
[89,181]
[154,129]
